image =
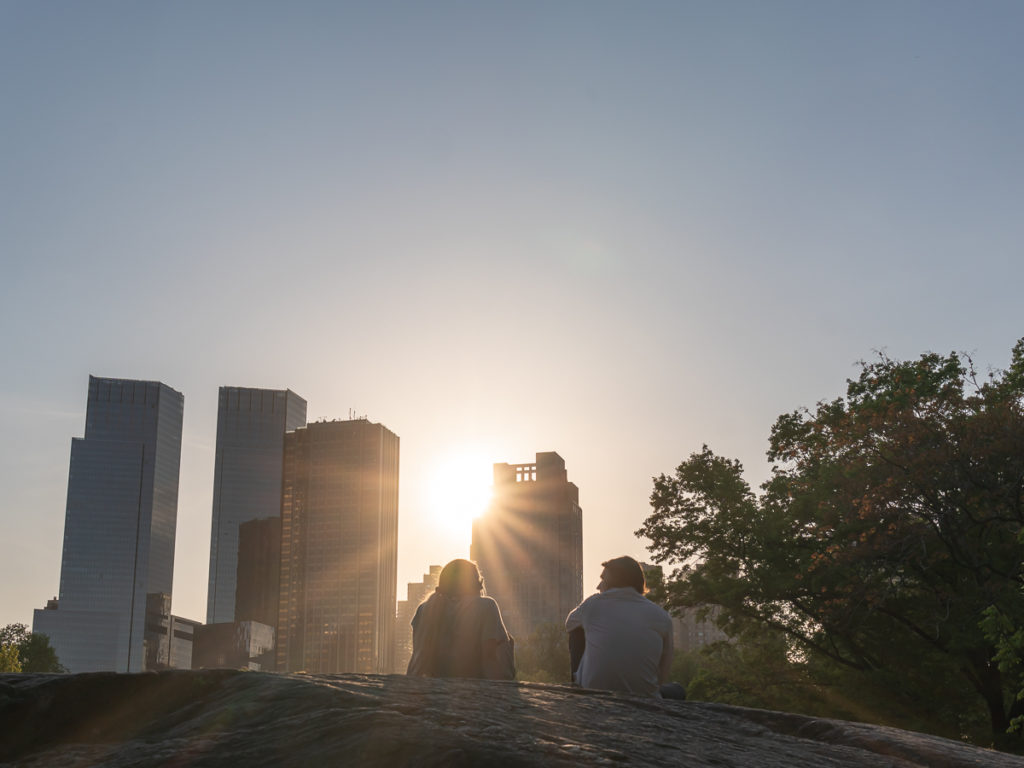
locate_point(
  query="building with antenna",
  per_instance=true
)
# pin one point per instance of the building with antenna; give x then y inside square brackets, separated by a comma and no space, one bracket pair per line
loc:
[339,548]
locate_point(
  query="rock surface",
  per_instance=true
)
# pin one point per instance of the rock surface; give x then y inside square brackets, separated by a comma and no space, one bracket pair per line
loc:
[231,718]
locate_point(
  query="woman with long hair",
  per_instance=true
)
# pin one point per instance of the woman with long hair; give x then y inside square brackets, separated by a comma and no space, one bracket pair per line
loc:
[458,632]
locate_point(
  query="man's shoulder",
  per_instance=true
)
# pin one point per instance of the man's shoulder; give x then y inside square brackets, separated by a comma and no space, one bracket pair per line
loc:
[576,615]
[660,615]
[647,605]
[591,601]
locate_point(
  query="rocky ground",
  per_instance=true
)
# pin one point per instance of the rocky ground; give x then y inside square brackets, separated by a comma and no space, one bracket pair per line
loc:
[231,718]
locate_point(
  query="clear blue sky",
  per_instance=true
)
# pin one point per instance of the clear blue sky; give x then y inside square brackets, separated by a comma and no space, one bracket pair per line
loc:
[613,230]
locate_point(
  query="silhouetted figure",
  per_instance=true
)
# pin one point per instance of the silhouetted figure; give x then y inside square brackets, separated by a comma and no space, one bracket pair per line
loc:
[626,641]
[457,632]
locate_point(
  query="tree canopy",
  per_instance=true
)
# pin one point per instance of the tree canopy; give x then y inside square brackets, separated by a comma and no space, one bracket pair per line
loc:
[31,650]
[887,530]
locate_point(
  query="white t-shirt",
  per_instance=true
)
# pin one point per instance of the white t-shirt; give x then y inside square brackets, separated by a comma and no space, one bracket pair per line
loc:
[628,642]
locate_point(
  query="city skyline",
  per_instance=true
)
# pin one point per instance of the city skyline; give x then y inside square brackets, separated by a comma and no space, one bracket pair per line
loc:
[615,231]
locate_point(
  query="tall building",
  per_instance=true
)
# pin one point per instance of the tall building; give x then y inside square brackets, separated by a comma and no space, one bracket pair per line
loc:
[339,548]
[259,571]
[247,479]
[119,527]
[415,593]
[529,544]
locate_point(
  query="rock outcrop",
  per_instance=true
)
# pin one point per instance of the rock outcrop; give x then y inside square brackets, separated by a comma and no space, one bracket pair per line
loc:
[231,718]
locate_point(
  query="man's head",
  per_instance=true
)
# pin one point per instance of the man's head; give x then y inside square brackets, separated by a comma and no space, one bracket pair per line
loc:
[460,578]
[622,572]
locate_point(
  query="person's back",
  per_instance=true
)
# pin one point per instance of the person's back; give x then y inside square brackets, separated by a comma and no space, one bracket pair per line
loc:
[628,639]
[460,637]
[458,632]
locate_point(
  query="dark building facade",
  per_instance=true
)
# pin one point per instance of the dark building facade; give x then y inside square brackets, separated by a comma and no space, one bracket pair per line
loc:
[258,590]
[168,637]
[339,548]
[529,544]
[119,529]
[247,479]
[233,645]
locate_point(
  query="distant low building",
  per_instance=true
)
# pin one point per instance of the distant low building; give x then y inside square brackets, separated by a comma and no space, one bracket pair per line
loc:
[182,641]
[416,593]
[690,631]
[168,638]
[158,631]
[234,645]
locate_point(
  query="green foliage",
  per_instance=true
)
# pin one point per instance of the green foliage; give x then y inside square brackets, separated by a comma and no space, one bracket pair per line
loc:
[37,655]
[760,668]
[1008,639]
[686,665]
[757,671]
[32,650]
[888,527]
[9,661]
[544,656]
[12,634]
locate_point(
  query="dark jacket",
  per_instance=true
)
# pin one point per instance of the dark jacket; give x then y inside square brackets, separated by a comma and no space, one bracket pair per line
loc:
[461,637]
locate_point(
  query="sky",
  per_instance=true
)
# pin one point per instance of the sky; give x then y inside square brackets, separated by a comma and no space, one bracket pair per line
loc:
[613,230]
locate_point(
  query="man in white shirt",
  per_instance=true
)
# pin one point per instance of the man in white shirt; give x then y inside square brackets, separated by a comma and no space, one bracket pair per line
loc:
[628,639]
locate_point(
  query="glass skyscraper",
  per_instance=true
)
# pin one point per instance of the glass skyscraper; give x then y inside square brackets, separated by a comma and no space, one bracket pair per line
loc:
[119,527]
[247,479]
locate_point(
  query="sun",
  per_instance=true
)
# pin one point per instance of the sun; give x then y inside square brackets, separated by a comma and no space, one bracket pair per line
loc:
[460,489]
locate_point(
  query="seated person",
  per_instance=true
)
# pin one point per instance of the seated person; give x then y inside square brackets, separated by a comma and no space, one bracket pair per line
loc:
[627,639]
[457,632]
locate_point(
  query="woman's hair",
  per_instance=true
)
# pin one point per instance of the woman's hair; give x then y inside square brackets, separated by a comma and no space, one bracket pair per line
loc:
[624,572]
[460,577]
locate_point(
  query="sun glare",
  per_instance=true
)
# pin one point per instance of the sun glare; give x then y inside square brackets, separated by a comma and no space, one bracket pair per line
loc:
[460,489]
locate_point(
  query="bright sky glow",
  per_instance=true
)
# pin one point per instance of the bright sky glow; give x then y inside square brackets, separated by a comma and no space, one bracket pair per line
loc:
[612,230]
[460,490]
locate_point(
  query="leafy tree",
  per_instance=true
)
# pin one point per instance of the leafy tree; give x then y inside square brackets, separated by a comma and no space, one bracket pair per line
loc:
[544,656]
[1008,638]
[33,650]
[888,527]
[686,665]
[37,655]
[755,670]
[9,661]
